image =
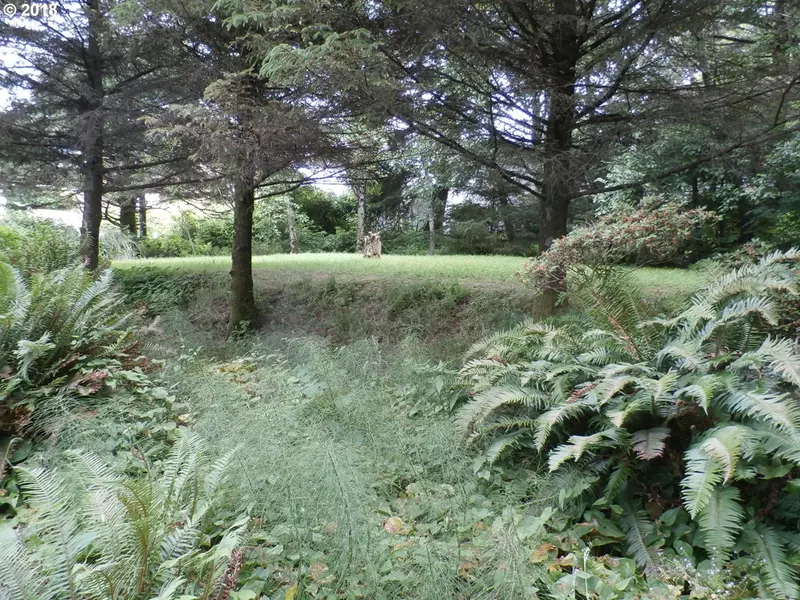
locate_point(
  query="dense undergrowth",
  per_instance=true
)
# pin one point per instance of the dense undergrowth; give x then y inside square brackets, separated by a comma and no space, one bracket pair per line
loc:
[360,489]
[335,436]
[681,434]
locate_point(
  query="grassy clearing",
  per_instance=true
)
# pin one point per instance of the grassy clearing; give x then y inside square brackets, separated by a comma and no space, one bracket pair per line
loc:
[670,283]
[468,269]
[478,268]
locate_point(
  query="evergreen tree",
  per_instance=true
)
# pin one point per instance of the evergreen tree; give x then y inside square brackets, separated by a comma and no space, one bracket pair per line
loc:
[80,85]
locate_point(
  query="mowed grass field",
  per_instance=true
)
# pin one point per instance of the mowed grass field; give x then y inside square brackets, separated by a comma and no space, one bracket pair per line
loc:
[465,269]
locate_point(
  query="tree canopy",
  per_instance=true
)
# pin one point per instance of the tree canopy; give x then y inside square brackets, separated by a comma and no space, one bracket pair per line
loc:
[488,126]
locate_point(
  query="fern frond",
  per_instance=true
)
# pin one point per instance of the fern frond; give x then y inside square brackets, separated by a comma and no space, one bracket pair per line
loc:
[608,388]
[777,409]
[503,444]
[703,474]
[687,354]
[496,343]
[702,390]
[721,521]
[19,576]
[630,408]
[741,309]
[574,448]
[558,415]
[726,445]
[779,576]
[618,480]
[472,414]
[637,527]
[57,525]
[780,356]
[649,443]
[779,442]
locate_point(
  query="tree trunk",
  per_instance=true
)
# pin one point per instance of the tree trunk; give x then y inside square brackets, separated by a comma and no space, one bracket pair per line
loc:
[291,225]
[127,215]
[436,217]
[361,200]
[432,231]
[782,36]
[92,205]
[93,144]
[141,210]
[558,183]
[441,207]
[508,224]
[243,304]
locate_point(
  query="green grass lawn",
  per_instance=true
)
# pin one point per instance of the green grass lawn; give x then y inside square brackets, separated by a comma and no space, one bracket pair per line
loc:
[475,269]
[479,268]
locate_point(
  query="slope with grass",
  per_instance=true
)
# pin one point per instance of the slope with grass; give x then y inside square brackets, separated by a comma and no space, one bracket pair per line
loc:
[447,301]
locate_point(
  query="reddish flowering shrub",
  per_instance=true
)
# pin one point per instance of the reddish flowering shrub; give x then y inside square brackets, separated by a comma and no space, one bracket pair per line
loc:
[642,236]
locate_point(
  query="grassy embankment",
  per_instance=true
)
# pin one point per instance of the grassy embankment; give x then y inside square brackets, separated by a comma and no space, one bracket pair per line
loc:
[447,301]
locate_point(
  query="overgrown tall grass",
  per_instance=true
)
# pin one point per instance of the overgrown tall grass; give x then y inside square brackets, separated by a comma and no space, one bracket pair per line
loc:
[359,490]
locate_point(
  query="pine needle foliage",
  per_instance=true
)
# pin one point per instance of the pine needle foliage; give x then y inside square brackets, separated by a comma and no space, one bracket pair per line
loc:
[698,411]
[54,328]
[106,537]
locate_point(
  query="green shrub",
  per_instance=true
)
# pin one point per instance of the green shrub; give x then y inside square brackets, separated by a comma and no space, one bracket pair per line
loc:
[645,236]
[212,232]
[683,433]
[172,245]
[55,329]
[474,237]
[116,244]
[38,246]
[404,242]
[105,536]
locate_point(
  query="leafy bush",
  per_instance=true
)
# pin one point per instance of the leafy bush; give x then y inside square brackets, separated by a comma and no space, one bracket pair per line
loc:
[403,242]
[210,231]
[54,329]
[170,246]
[644,236]
[474,237]
[683,433]
[38,246]
[105,536]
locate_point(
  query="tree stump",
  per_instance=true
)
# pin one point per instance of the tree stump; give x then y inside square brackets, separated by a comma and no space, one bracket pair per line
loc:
[372,245]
